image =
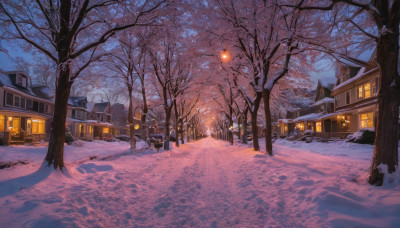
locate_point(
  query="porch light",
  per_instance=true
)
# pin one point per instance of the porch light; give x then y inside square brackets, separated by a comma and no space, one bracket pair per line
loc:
[9,118]
[136,126]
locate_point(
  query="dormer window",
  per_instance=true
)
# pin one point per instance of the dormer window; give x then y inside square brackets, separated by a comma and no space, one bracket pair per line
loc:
[21,80]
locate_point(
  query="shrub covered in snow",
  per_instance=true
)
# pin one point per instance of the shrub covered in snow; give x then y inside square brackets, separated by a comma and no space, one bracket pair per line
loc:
[363,136]
[78,143]
[3,139]
[124,138]
[68,136]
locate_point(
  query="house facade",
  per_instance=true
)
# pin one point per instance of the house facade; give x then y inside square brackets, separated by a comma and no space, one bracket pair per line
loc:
[25,116]
[100,114]
[355,101]
[77,119]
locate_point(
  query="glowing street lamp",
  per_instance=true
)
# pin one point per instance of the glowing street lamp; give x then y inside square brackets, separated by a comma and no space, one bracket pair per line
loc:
[225,56]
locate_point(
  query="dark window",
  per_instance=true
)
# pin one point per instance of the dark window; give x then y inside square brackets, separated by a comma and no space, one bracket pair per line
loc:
[10,99]
[347,97]
[46,108]
[41,107]
[35,106]
[73,113]
[16,101]
[29,104]
[22,102]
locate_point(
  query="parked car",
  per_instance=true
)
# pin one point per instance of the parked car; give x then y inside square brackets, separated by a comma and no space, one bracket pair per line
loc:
[157,140]
[249,137]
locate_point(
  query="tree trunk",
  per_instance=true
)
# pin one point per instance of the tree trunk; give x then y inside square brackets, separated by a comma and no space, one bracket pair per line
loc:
[182,131]
[176,124]
[188,132]
[387,126]
[254,130]
[130,120]
[167,119]
[245,126]
[145,110]
[268,127]
[230,130]
[55,152]
[239,129]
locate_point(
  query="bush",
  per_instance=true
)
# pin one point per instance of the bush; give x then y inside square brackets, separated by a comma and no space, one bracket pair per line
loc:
[363,136]
[68,136]
[3,139]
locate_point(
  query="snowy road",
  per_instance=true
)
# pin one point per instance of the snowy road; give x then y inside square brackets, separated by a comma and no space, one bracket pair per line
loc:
[207,183]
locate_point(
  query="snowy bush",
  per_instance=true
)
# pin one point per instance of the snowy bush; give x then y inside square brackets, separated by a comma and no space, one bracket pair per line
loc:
[68,136]
[78,143]
[125,138]
[363,136]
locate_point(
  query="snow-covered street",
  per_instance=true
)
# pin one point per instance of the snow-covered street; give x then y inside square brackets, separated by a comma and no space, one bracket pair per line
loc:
[207,183]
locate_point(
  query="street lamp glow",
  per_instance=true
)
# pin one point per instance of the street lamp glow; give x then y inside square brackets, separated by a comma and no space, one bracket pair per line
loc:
[225,56]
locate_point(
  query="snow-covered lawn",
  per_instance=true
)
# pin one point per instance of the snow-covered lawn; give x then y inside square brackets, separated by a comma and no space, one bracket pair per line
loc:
[207,183]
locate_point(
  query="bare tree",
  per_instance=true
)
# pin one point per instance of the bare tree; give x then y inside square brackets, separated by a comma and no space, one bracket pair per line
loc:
[385,16]
[59,29]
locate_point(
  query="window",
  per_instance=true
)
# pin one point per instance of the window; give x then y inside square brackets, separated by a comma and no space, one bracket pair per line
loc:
[300,126]
[73,113]
[21,80]
[2,122]
[360,92]
[367,90]
[28,104]
[318,127]
[38,126]
[35,106]
[138,115]
[106,130]
[367,120]
[41,107]
[46,108]
[10,99]
[15,126]
[16,101]
[22,102]
[347,97]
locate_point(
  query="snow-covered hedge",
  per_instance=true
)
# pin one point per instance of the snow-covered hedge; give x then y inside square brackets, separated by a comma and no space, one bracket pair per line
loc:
[362,136]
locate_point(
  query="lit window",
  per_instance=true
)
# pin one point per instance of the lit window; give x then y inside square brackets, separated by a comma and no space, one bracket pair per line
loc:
[38,126]
[367,120]
[106,130]
[367,90]
[360,92]
[2,122]
[300,126]
[318,127]
[15,126]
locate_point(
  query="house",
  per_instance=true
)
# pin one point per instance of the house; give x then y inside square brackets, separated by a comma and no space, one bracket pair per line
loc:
[119,118]
[100,113]
[25,113]
[303,118]
[355,98]
[77,118]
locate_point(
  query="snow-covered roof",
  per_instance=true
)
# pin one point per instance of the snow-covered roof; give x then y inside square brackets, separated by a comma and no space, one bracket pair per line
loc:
[311,116]
[285,121]
[324,100]
[359,75]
